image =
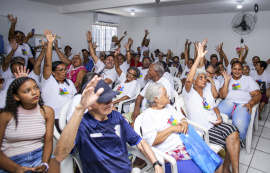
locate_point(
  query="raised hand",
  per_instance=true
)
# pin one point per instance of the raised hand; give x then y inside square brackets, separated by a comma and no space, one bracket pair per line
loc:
[95,45]
[189,44]
[218,48]
[12,19]
[195,43]
[30,34]
[21,72]
[88,95]
[49,36]
[89,36]
[117,52]
[56,43]
[246,48]
[44,44]
[186,42]
[125,33]
[201,50]
[13,44]
[146,32]
[221,46]
[226,76]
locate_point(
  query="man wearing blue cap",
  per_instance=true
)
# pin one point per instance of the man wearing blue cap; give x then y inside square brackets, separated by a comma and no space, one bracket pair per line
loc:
[101,134]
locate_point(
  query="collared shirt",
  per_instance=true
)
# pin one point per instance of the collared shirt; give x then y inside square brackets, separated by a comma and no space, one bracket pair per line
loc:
[102,144]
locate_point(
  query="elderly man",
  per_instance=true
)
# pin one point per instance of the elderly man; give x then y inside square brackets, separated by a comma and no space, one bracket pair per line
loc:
[101,134]
[144,69]
[145,50]
[106,70]
[155,73]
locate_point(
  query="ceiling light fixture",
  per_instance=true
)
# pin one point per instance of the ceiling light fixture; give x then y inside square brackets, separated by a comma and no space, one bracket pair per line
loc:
[239,6]
[132,13]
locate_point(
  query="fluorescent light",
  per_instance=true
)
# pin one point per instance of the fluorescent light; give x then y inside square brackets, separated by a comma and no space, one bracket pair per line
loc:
[239,6]
[132,13]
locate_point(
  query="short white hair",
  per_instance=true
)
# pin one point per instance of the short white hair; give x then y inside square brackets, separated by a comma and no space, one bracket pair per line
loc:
[152,91]
[199,71]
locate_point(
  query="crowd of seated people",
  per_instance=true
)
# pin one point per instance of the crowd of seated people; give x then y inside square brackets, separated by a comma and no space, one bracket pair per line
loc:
[32,98]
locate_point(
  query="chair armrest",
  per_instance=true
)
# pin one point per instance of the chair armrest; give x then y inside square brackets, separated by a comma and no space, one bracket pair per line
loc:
[205,130]
[225,118]
[120,104]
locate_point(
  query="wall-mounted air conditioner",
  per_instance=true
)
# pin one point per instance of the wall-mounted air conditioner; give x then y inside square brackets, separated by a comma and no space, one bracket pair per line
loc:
[100,18]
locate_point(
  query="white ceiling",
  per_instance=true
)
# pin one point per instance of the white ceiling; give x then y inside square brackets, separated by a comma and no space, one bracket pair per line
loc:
[148,8]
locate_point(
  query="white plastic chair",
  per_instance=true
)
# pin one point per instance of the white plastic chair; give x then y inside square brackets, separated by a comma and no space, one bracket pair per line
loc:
[177,84]
[120,104]
[66,166]
[250,126]
[173,71]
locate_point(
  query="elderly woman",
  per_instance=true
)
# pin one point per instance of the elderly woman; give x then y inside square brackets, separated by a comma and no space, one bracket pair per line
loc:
[201,108]
[75,68]
[240,94]
[246,69]
[161,126]
[57,90]
[128,85]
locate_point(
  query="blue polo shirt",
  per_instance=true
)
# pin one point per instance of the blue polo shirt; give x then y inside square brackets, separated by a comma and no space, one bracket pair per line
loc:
[102,144]
[88,66]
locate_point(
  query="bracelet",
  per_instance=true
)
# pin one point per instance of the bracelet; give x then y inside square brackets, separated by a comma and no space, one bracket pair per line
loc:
[218,115]
[156,163]
[128,51]
[184,120]
[45,164]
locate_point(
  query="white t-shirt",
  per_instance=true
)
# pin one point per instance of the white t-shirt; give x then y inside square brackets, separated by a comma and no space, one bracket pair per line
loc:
[106,73]
[251,66]
[124,67]
[6,75]
[197,108]
[229,69]
[143,48]
[3,94]
[239,90]
[113,47]
[155,121]
[185,73]
[163,81]
[55,94]
[23,51]
[143,73]
[217,85]
[262,80]
[75,101]
[126,89]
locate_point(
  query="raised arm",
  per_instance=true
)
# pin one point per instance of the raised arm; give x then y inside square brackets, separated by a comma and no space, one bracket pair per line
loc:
[40,57]
[116,64]
[195,50]
[191,74]
[189,49]
[68,136]
[245,55]
[29,35]
[224,56]
[223,91]
[144,38]
[91,49]
[11,33]
[118,42]
[241,55]
[220,54]
[47,70]
[62,57]
[8,58]
[127,46]
[186,52]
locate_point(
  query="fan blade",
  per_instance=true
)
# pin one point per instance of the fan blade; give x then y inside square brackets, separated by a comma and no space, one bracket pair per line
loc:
[248,27]
[243,18]
[237,26]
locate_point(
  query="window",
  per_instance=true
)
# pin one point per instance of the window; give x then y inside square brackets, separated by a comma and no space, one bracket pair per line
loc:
[102,35]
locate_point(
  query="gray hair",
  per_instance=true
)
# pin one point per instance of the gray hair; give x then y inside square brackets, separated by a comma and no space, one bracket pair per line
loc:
[246,65]
[136,69]
[78,54]
[16,59]
[199,71]
[215,69]
[151,92]
[159,68]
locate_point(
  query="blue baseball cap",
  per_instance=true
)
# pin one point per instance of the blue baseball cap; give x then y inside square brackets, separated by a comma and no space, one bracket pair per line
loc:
[107,95]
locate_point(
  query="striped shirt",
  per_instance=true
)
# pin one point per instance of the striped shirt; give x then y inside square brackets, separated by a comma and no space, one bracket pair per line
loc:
[29,134]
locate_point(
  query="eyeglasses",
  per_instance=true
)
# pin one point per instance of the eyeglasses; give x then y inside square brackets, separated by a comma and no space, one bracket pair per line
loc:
[134,75]
[2,80]
[62,70]
[209,72]
[160,55]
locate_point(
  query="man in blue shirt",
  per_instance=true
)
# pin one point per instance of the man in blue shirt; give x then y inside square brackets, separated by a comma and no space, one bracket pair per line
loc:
[87,61]
[101,134]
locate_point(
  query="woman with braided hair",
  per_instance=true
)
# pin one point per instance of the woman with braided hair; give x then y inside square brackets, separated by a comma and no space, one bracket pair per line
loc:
[26,130]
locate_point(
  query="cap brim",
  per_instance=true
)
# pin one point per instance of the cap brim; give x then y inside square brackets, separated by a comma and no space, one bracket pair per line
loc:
[108,96]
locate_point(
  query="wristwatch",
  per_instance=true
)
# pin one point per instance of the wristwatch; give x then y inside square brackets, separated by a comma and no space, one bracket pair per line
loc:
[156,163]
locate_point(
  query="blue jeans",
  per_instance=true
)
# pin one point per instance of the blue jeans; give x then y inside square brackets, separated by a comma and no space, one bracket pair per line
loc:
[30,159]
[240,117]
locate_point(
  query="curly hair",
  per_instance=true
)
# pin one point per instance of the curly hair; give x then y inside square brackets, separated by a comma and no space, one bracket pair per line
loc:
[12,104]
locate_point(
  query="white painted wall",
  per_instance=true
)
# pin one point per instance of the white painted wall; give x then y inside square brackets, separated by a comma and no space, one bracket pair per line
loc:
[172,31]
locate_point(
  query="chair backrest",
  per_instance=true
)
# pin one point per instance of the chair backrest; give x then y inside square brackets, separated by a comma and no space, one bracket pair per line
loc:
[181,104]
[175,99]
[173,71]
[63,115]
[177,84]
[138,124]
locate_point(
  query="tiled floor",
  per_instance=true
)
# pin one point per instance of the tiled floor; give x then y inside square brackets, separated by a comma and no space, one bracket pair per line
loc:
[258,160]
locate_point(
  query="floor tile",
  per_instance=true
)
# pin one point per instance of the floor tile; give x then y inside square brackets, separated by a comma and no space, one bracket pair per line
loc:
[263,145]
[266,133]
[245,158]
[243,168]
[258,133]
[260,161]
[262,122]
[267,123]
[252,170]
[254,141]
[264,114]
